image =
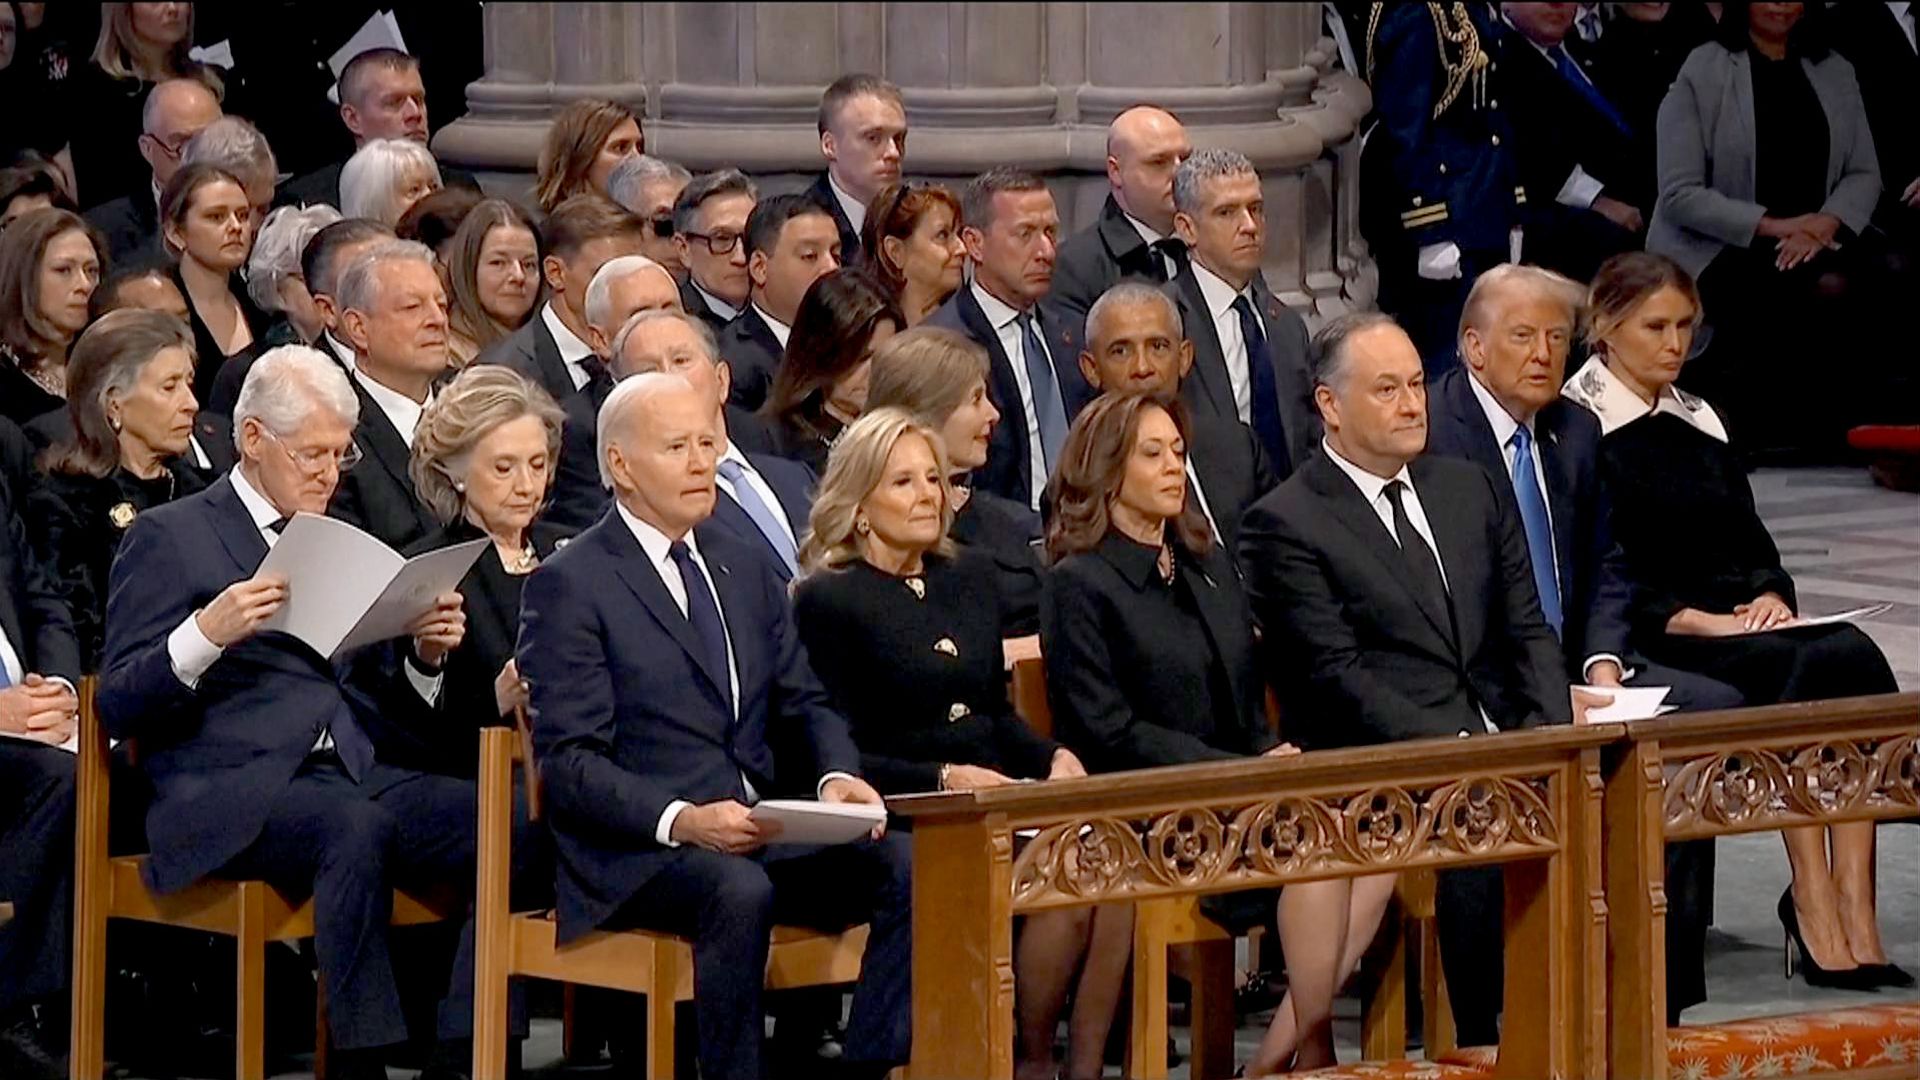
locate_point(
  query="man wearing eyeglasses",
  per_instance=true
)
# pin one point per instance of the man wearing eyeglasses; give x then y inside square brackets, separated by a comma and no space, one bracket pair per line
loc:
[709,226]
[258,749]
[175,111]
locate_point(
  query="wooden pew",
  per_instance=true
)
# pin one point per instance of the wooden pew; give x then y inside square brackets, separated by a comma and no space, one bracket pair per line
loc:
[1529,800]
[1718,774]
[253,913]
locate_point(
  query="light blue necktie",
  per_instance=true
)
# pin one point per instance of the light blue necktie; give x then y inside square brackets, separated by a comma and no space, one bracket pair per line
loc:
[760,512]
[1533,517]
[1046,394]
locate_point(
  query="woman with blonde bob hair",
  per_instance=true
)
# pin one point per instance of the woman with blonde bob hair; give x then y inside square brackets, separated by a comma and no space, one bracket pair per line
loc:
[483,462]
[383,179]
[905,633]
[585,143]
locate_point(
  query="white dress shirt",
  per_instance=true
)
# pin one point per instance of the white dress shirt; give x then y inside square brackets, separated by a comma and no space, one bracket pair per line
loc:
[760,487]
[659,552]
[400,410]
[1006,326]
[191,654]
[855,210]
[781,331]
[341,350]
[1167,264]
[573,351]
[1226,325]
[726,311]
[1200,496]
[1903,15]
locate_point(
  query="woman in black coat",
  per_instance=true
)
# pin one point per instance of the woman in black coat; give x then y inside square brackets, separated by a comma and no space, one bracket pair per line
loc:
[906,635]
[821,385]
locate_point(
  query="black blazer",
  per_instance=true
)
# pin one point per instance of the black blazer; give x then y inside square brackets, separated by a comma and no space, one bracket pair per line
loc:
[232,375]
[1094,260]
[218,754]
[578,499]
[377,495]
[1007,468]
[1596,595]
[792,485]
[1888,69]
[22,399]
[627,717]
[33,611]
[208,356]
[1118,698]
[322,185]
[1233,470]
[212,433]
[822,192]
[919,675]
[1208,390]
[1006,533]
[696,305]
[1356,655]
[752,352]
[131,226]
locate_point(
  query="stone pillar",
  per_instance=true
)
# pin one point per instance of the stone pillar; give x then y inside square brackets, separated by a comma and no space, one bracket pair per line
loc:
[1031,84]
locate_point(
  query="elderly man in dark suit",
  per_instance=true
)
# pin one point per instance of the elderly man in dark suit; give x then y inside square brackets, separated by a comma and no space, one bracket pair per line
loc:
[1250,352]
[791,242]
[863,136]
[256,745]
[1503,411]
[1136,345]
[394,315]
[39,659]
[670,693]
[1012,235]
[174,112]
[1134,237]
[381,97]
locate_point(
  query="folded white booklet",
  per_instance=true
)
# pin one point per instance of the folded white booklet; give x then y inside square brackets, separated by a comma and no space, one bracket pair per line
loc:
[1867,611]
[346,589]
[805,821]
[1629,703]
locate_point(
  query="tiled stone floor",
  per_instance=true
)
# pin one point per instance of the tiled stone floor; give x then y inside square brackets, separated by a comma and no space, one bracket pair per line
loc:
[1847,543]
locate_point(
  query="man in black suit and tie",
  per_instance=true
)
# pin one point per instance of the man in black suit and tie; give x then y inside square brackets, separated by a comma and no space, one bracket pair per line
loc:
[670,693]
[764,499]
[1503,411]
[381,97]
[709,230]
[175,111]
[256,745]
[1134,237]
[39,659]
[1135,345]
[1012,232]
[863,136]
[1250,351]
[394,314]
[791,242]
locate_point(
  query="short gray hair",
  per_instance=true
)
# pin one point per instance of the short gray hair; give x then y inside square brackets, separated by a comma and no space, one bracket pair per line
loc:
[629,179]
[360,283]
[686,209]
[370,180]
[1190,179]
[286,385]
[232,145]
[600,289]
[1133,292]
[1327,359]
[701,332]
[627,396]
[277,250]
[1518,278]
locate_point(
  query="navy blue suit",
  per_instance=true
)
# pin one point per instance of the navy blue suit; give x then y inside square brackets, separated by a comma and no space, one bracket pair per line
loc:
[628,718]
[792,485]
[239,791]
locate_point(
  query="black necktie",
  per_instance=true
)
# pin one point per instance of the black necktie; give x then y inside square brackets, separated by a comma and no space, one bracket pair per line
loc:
[278,525]
[1264,409]
[1413,548]
[704,615]
[1169,256]
[599,383]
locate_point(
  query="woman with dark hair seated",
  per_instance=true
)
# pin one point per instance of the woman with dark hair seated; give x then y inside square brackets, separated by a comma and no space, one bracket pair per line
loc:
[911,245]
[206,222]
[50,264]
[130,398]
[1711,594]
[821,385]
[493,277]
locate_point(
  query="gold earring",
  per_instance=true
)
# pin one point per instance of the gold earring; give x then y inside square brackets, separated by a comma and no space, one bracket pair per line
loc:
[862,527]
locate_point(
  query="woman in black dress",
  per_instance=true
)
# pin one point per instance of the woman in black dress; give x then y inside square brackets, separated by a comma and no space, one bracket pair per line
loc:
[206,222]
[50,263]
[821,385]
[139,46]
[132,410]
[1146,629]
[905,633]
[941,377]
[1711,592]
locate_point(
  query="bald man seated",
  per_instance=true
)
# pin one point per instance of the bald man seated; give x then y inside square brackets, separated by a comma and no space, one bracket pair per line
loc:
[670,694]
[175,111]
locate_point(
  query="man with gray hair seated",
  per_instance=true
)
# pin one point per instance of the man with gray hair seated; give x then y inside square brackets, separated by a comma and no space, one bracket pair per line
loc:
[1250,351]
[237,148]
[648,187]
[623,286]
[174,112]
[393,313]
[257,748]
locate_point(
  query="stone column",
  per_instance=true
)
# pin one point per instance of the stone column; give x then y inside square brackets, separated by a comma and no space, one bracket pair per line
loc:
[1031,84]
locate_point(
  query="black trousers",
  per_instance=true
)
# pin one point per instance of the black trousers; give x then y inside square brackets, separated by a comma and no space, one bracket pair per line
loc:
[728,905]
[1469,903]
[36,871]
[1429,311]
[349,845]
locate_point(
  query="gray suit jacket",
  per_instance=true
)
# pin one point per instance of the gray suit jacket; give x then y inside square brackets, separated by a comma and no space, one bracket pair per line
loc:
[1706,155]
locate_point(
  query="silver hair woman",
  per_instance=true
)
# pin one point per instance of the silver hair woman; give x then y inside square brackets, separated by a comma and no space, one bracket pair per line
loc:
[385,177]
[274,278]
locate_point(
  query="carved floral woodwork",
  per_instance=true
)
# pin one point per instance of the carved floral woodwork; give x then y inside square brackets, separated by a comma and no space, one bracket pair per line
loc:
[1768,787]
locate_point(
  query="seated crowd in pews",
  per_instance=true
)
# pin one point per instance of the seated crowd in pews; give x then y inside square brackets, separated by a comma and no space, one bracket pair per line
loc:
[764,487]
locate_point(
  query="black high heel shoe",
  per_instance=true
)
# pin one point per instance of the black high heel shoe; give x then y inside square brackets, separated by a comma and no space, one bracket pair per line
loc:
[1892,975]
[1855,978]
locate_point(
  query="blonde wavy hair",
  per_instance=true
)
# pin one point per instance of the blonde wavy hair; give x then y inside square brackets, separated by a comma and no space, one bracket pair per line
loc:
[855,468]
[471,407]
[115,54]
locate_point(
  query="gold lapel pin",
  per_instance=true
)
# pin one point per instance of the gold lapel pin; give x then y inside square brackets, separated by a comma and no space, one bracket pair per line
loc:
[122,515]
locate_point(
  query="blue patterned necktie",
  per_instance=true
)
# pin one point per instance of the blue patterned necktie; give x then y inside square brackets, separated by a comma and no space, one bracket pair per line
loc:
[1533,517]
[704,615]
[762,514]
[1046,394]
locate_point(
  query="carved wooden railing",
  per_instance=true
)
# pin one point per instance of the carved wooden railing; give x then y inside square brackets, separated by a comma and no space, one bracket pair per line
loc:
[1716,774]
[1530,800]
